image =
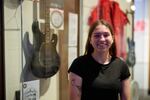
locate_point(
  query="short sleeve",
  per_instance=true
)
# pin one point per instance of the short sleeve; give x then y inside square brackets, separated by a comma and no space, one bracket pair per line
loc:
[125,73]
[76,67]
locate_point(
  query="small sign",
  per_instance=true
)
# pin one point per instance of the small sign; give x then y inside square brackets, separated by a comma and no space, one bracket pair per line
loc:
[31,90]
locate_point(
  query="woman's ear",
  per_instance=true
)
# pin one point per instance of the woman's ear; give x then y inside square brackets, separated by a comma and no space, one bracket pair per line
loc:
[113,38]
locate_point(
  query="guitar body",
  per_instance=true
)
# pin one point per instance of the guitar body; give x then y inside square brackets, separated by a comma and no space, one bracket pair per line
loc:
[45,60]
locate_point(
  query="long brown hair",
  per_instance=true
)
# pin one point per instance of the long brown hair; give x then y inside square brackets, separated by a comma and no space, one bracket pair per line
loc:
[89,48]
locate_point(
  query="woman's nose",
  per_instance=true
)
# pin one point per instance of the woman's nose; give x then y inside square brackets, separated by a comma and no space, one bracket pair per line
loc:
[102,38]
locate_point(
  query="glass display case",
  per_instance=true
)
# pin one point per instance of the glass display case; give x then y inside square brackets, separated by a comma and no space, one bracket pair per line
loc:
[36,43]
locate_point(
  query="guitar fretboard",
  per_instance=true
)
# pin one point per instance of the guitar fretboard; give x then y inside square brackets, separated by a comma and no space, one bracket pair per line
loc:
[45,14]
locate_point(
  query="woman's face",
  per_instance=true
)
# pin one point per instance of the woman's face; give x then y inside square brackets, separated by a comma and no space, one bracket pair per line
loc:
[101,39]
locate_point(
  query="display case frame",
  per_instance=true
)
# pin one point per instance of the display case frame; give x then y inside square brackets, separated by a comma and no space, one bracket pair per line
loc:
[2,70]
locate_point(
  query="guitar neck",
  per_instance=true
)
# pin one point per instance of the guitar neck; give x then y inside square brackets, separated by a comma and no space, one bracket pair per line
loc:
[47,20]
[35,9]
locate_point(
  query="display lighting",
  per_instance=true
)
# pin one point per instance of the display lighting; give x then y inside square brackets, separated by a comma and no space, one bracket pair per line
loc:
[132,7]
[129,1]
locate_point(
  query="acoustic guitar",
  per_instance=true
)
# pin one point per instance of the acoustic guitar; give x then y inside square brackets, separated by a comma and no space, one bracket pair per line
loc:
[45,60]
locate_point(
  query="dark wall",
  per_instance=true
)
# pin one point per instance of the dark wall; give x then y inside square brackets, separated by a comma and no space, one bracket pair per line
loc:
[2,82]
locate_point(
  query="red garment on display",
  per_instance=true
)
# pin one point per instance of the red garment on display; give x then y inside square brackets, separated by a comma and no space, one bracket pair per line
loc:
[119,19]
[105,11]
[111,12]
[94,16]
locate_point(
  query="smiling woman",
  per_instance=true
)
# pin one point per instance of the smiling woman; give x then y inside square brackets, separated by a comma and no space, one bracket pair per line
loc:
[99,73]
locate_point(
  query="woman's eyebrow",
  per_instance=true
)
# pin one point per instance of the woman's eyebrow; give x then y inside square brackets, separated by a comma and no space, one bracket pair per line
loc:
[99,32]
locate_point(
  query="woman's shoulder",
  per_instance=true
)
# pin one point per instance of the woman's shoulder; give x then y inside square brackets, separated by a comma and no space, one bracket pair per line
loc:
[82,58]
[119,60]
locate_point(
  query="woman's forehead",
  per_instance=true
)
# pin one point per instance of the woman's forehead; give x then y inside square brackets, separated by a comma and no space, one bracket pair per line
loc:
[102,28]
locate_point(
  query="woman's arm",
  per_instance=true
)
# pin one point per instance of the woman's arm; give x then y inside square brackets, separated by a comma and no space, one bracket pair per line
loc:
[125,93]
[75,83]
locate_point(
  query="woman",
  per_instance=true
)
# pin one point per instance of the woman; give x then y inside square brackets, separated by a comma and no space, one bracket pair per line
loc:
[99,74]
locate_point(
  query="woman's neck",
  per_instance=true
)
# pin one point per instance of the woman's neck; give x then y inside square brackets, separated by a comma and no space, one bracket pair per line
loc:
[103,58]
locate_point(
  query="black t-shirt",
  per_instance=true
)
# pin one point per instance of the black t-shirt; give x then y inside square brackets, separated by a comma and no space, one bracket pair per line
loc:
[100,82]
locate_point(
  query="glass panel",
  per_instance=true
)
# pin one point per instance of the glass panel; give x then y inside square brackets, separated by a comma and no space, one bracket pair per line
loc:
[13,52]
[31,48]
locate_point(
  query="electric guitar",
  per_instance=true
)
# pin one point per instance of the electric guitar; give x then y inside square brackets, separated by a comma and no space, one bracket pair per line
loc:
[131,54]
[45,60]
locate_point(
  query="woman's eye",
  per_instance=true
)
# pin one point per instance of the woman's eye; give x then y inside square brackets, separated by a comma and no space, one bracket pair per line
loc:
[106,35]
[96,36]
